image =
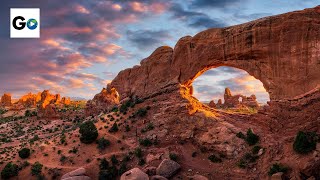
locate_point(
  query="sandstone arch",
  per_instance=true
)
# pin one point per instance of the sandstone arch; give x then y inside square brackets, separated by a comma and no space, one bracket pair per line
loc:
[282,51]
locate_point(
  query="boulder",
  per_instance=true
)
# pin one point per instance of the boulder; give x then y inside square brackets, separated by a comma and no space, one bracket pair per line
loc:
[80,172]
[157,177]
[77,178]
[168,168]
[198,177]
[134,174]
[277,176]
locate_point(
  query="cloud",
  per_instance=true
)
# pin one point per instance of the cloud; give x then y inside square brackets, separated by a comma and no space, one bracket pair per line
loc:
[215,3]
[195,19]
[149,39]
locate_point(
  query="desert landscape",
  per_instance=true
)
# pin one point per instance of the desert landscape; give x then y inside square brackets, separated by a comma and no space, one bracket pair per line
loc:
[146,123]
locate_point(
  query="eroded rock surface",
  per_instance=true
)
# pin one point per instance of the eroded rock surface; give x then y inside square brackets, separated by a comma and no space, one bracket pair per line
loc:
[6,100]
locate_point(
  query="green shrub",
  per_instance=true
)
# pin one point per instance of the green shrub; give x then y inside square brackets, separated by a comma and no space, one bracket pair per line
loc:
[251,138]
[24,153]
[36,168]
[138,152]
[246,160]
[240,135]
[275,168]
[114,160]
[255,149]
[213,158]
[141,112]
[88,132]
[10,170]
[145,142]
[103,143]
[104,164]
[141,162]
[114,128]
[127,128]
[305,142]
[122,169]
[173,156]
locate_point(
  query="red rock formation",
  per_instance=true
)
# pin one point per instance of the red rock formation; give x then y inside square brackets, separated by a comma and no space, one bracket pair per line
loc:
[49,111]
[29,100]
[6,100]
[103,101]
[229,100]
[65,101]
[281,51]
[212,104]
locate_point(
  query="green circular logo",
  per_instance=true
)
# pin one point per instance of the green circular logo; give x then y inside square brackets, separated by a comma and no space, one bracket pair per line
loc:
[32,24]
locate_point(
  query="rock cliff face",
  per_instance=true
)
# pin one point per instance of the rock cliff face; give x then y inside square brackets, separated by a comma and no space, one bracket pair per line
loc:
[281,51]
[5,100]
[103,101]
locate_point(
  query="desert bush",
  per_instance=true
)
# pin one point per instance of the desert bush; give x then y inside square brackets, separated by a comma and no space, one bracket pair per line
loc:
[89,132]
[240,135]
[114,128]
[10,170]
[36,168]
[24,153]
[215,159]
[145,142]
[255,149]
[305,142]
[275,168]
[246,160]
[173,156]
[141,112]
[138,152]
[114,160]
[141,162]
[251,138]
[104,164]
[103,143]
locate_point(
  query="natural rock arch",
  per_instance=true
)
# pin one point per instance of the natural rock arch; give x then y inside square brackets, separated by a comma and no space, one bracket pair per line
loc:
[282,51]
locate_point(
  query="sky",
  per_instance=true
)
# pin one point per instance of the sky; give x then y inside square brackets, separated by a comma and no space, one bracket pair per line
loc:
[84,44]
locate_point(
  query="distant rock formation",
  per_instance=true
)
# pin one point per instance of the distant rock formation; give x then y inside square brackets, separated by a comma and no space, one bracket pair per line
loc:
[103,101]
[212,104]
[29,100]
[231,101]
[6,100]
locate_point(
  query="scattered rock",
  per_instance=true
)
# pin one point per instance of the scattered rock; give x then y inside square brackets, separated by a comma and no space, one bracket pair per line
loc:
[277,176]
[157,177]
[198,177]
[78,174]
[134,174]
[168,168]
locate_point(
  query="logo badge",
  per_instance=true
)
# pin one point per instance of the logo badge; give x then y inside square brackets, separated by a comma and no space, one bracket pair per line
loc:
[25,23]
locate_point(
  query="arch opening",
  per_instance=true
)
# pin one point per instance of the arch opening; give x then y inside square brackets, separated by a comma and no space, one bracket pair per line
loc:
[229,88]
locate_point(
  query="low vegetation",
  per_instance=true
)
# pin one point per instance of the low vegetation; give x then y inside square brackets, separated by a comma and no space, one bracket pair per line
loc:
[275,168]
[36,169]
[250,137]
[24,153]
[88,132]
[10,170]
[305,142]
[103,143]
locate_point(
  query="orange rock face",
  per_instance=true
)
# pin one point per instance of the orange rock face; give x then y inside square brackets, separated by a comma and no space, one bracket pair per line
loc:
[103,101]
[29,100]
[6,100]
[281,51]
